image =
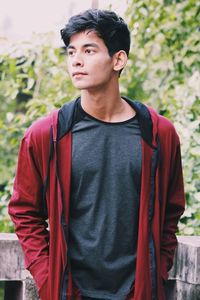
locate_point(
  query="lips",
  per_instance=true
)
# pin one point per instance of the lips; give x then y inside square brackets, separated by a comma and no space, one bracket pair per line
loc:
[78,73]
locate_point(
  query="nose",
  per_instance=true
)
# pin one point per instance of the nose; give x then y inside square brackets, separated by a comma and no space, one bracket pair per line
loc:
[77,60]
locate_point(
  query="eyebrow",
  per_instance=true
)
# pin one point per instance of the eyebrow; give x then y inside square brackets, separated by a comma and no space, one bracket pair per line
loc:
[84,46]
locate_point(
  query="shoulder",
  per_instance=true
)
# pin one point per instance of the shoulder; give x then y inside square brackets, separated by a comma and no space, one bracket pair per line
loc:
[165,124]
[165,127]
[40,129]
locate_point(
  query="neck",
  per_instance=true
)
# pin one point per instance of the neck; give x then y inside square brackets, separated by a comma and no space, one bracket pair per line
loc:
[106,105]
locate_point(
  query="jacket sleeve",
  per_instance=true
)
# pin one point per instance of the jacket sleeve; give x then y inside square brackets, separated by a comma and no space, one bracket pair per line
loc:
[25,209]
[175,204]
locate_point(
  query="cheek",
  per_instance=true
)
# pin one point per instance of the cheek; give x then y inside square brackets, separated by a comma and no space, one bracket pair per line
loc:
[69,67]
[102,68]
[69,70]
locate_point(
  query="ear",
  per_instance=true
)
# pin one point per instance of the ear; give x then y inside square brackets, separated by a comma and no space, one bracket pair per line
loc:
[119,60]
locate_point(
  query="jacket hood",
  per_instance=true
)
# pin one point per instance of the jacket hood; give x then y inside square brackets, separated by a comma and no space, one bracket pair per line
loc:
[147,117]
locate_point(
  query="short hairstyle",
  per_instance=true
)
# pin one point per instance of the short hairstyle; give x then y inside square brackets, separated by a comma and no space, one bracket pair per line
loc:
[107,24]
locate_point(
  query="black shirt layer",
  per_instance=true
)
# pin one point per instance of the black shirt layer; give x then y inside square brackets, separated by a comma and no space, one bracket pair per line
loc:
[104,209]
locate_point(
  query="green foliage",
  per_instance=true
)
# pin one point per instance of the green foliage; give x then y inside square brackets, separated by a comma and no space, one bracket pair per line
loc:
[33,81]
[163,71]
[1,290]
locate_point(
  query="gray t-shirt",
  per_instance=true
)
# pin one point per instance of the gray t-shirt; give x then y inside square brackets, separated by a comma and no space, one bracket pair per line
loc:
[104,210]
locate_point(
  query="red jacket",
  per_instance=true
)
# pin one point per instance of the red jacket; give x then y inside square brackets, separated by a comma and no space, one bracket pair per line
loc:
[42,191]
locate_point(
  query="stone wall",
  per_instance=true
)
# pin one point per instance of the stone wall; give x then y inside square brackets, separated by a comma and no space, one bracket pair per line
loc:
[183,283]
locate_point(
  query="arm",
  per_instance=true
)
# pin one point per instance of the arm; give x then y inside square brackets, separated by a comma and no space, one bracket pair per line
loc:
[174,208]
[25,209]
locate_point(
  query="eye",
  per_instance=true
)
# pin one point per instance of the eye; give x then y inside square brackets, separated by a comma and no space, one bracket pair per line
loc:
[89,51]
[70,52]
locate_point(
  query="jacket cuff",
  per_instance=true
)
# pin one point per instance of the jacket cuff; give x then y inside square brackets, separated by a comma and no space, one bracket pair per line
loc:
[39,271]
[164,268]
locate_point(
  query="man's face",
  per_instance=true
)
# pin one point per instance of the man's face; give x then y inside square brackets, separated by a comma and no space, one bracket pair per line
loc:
[89,63]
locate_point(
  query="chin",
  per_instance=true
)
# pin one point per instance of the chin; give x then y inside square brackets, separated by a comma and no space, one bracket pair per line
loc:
[80,87]
[83,86]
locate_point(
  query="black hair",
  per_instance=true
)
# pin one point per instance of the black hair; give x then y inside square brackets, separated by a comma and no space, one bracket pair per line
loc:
[107,24]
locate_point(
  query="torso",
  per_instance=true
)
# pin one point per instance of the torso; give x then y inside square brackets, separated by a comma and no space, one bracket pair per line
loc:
[106,170]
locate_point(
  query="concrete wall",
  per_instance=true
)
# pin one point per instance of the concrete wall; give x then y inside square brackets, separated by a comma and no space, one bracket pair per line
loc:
[184,279]
[19,284]
[183,283]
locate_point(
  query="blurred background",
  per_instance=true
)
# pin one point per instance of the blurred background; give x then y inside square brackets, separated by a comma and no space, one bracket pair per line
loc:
[20,19]
[163,71]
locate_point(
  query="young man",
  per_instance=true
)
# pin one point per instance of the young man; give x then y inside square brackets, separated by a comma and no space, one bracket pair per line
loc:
[106,172]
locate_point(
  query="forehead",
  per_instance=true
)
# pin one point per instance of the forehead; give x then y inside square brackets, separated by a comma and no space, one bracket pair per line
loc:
[85,37]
